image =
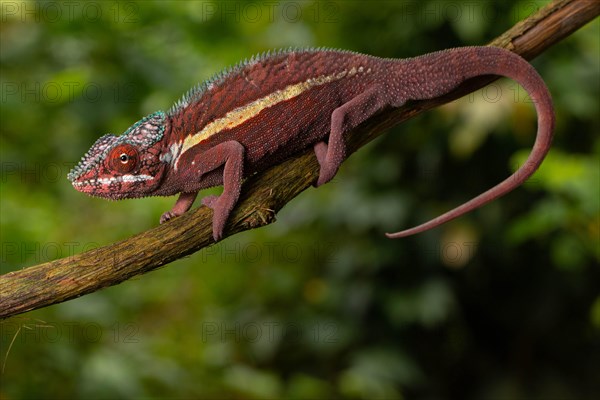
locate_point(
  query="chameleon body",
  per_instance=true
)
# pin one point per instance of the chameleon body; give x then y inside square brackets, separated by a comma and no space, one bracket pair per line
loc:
[276,105]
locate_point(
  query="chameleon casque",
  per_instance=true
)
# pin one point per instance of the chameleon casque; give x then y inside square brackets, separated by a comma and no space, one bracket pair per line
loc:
[277,104]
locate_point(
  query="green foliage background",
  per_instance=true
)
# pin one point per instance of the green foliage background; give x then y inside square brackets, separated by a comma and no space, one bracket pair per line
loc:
[502,303]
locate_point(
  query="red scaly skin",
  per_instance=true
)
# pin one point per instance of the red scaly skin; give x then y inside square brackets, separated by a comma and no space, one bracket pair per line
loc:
[274,106]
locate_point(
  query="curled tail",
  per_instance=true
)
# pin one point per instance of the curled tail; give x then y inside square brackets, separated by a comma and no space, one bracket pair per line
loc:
[476,61]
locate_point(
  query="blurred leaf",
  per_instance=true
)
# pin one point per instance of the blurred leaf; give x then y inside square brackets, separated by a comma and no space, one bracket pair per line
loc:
[375,373]
[428,305]
[255,383]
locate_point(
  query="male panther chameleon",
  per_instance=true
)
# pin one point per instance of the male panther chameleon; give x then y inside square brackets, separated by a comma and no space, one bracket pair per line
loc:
[277,104]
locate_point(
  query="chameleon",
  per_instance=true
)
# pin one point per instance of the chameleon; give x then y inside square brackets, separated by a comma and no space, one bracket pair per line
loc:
[279,103]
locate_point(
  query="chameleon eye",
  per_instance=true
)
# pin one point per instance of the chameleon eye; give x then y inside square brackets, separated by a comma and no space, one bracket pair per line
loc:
[123,158]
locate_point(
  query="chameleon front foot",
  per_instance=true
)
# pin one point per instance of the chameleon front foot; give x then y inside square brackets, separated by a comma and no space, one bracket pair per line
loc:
[221,210]
[222,207]
[328,169]
[167,216]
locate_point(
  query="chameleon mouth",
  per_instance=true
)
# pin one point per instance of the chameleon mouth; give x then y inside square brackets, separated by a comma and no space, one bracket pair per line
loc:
[112,180]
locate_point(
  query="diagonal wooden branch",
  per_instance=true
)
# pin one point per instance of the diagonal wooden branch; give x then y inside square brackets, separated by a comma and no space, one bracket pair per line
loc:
[263,195]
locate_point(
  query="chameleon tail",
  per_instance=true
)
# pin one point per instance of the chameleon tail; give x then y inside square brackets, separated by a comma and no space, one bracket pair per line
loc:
[496,61]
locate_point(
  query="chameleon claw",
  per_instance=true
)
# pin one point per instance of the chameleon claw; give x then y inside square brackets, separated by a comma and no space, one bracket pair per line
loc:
[167,216]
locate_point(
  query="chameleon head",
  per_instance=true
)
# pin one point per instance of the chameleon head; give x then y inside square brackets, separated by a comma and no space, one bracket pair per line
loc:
[126,166]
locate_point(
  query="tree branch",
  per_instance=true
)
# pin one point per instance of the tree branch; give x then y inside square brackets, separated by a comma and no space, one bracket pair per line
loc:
[263,195]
